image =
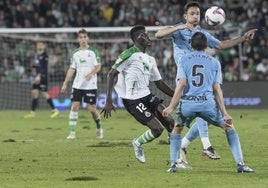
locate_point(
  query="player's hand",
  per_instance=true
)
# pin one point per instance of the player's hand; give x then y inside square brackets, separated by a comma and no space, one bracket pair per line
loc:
[249,35]
[185,26]
[63,88]
[228,120]
[37,80]
[89,76]
[108,109]
[166,112]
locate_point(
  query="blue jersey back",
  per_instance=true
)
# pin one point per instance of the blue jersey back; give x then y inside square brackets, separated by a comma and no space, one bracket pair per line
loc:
[201,72]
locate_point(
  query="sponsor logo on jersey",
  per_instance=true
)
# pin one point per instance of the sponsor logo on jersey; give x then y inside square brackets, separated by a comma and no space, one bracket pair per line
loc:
[82,60]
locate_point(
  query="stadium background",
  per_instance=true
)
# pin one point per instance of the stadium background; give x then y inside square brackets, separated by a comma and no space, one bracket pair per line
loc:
[245,66]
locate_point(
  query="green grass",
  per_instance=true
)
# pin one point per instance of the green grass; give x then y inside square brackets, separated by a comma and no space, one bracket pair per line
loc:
[35,153]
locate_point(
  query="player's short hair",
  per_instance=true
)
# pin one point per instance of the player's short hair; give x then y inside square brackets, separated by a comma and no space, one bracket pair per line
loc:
[83,31]
[199,41]
[190,4]
[136,29]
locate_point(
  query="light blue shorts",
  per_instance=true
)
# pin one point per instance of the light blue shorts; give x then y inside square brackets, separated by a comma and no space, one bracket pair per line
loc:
[187,111]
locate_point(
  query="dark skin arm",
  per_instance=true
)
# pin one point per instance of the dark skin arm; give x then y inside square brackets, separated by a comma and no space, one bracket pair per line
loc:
[161,85]
[111,77]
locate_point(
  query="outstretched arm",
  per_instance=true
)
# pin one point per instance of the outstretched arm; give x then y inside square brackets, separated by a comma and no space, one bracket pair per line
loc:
[170,29]
[110,84]
[232,42]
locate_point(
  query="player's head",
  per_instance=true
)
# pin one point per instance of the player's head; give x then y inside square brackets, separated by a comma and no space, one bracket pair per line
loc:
[192,12]
[41,46]
[199,41]
[139,35]
[83,37]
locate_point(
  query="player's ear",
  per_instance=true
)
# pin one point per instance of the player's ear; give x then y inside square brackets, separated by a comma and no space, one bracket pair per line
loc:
[184,16]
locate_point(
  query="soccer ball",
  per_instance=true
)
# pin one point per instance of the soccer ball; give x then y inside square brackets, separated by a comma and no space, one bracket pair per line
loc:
[215,16]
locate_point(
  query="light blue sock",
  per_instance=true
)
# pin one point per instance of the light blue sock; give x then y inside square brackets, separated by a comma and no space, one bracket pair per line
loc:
[202,127]
[175,145]
[234,145]
[192,133]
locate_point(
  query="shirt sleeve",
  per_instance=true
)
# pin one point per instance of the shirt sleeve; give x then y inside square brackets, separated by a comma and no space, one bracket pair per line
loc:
[181,71]
[212,41]
[218,76]
[120,64]
[73,63]
[155,74]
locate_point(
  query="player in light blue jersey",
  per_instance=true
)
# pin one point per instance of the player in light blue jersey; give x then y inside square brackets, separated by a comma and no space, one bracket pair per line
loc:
[199,94]
[181,34]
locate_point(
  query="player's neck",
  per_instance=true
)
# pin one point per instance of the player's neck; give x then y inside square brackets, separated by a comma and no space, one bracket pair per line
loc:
[84,47]
[142,48]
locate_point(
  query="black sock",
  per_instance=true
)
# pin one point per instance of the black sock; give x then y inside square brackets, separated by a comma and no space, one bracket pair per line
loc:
[49,101]
[34,104]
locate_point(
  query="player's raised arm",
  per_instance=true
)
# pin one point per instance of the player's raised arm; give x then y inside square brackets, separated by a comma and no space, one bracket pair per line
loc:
[249,35]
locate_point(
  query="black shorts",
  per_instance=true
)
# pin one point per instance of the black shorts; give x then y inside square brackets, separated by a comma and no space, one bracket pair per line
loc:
[42,86]
[89,96]
[142,109]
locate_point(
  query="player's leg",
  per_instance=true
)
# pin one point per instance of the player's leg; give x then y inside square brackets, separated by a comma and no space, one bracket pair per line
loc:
[199,128]
[235,147]
[167,122]
[174,147]
[97,118]
[90,97]
[142,111]
[191,134]
[175,136]
[44,88]
[76,98]
[155,130]
[34,103]
[208,149]
[73,117]
[55,111]
[216,117]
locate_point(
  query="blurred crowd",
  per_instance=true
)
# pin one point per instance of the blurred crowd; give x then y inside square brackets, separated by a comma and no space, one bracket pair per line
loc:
[245,62]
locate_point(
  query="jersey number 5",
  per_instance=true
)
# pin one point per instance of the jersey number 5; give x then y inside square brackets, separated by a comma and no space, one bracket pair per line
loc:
[195,73]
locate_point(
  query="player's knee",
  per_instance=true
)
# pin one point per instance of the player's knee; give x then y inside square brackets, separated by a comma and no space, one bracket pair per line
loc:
[170,124]
[157,131]
[177,129]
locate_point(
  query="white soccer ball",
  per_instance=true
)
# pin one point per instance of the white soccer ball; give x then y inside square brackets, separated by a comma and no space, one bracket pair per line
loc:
[215,16]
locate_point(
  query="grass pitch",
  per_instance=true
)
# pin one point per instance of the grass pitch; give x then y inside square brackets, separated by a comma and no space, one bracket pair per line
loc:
[35,153]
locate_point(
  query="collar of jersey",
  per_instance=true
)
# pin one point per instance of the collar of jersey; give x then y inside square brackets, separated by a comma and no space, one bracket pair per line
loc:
[136,49]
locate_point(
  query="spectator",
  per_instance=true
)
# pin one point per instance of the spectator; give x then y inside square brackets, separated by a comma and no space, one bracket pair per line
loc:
[251,69]
[87,13]
[262,69]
